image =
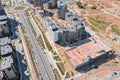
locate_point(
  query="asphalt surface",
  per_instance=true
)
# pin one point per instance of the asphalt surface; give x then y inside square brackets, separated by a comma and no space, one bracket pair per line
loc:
[40,58]
[42,63]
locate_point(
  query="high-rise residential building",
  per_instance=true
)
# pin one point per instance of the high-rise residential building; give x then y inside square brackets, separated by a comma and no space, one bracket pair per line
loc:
[1,6]
[62,8]
[4,25]
[52,30]
[8,68]
[65,35]
[8,60]
[38,3]
[52,4]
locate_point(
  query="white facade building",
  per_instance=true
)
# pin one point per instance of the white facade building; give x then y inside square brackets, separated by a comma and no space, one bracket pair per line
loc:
[7,67]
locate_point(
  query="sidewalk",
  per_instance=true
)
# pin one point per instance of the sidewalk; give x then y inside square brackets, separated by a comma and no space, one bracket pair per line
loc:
[33,74]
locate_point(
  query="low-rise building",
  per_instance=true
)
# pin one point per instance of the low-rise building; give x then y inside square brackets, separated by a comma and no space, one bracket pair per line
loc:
[87,52]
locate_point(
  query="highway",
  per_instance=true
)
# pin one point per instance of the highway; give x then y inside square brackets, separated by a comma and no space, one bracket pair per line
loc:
[40,58]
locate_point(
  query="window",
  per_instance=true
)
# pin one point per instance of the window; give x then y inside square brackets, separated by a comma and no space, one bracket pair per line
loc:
[9,69]
[4,24]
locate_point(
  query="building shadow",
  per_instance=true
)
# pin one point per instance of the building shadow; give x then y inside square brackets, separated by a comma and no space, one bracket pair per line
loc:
[95,64]
[48,13]
[20,65]
[13,28]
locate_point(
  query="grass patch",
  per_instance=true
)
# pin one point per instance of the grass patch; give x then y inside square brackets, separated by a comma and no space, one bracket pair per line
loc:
[115,29]
[54,53]
[26,12]
[57,74]
[45,39]
[22,28]
[67,75]
[31,55]
[41,42]
[47,42]
[98,25]
[57,58]
[31,26]
[28,45]
[19,8]
[61,68]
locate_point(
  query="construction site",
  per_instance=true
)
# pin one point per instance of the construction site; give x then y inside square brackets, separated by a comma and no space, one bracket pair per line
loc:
[85,35]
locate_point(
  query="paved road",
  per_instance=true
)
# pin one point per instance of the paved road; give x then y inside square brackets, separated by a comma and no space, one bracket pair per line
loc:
[27,57]
[42,62]
[40,57]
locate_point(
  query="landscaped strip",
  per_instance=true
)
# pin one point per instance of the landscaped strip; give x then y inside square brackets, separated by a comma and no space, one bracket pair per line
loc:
[61,67]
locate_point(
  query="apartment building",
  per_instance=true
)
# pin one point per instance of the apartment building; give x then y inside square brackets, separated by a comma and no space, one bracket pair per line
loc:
[4,25]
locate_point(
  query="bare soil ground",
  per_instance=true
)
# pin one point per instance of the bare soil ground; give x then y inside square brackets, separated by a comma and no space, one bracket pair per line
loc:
[64,58]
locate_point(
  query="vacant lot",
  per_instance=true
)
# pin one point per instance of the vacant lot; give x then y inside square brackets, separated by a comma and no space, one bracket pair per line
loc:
[98,24]
[115,29]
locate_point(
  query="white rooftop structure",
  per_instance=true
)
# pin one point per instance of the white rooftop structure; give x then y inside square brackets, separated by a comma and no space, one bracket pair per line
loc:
[3,17]
[6,62]
[61,3]
[1,75]
[5,41]
[3,22]
[7,49]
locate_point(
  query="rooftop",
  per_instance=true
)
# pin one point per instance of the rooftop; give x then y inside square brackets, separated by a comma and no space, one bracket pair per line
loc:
[79,54]
[3,17]
[52,25]
[5,41]
[3,22]
[6,62]
[1,75]
[6,49]
[61,3]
